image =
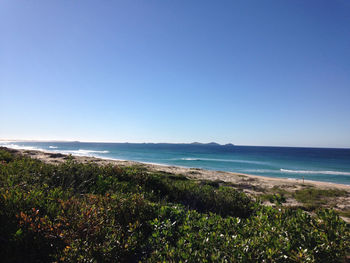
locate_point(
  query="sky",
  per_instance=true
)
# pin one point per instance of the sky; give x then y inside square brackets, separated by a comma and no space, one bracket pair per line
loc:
[242,72]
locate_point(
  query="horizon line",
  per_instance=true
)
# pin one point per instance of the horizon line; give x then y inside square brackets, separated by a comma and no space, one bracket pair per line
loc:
[194,142]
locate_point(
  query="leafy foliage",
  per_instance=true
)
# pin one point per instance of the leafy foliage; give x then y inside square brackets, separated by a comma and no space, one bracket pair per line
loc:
[76,212]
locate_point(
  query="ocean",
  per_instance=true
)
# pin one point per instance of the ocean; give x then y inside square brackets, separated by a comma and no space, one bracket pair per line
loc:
[318,164]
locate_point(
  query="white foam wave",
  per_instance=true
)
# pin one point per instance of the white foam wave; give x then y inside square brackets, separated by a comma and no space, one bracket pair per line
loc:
[6,141]
[261,171]
[221,160]
[190,159]
[314,172]
[21,147]
[82,152]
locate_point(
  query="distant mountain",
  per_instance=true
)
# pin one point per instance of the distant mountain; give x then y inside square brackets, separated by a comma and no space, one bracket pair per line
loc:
[229,144]
[210,143]
[213,143]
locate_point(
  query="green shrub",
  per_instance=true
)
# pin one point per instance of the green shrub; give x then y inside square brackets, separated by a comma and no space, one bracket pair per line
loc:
[75,212]
[5,156]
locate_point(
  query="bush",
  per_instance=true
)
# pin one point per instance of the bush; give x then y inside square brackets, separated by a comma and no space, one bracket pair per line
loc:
[76,212]
[5,156]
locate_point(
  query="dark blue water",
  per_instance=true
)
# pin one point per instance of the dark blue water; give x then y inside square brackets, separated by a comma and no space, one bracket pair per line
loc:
[320,164]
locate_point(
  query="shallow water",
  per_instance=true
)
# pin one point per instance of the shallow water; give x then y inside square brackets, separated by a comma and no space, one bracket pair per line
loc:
[319,164]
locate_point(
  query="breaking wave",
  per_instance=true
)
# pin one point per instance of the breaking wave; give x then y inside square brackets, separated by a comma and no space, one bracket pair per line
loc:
[314,172]
[21,147]
[82,152]
[219,160]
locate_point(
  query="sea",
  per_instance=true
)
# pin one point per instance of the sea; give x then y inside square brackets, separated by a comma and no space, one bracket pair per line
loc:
[318,164]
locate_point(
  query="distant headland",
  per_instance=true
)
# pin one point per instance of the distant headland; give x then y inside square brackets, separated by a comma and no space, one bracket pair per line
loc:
[212,143]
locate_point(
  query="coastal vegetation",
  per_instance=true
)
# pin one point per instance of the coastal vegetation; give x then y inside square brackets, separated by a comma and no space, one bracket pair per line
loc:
[309,198]
[75,212]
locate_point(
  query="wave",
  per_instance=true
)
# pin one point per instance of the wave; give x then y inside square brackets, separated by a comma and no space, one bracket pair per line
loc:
[190,159]
[5,142]
[314,172]
[220,160]
[82,152]
[21,147]
[260,171]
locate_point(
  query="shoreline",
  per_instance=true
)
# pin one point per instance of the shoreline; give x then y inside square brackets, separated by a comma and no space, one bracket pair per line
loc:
[96,154]
[253,185]
[54,157]
[46,156]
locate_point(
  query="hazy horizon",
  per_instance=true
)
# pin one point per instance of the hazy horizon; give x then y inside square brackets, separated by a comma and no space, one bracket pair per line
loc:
[164,142]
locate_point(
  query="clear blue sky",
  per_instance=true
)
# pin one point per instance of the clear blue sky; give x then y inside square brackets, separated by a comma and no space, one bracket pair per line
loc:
[246,72]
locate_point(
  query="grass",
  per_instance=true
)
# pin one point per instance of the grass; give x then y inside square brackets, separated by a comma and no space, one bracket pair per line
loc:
[313,197]
[310,198]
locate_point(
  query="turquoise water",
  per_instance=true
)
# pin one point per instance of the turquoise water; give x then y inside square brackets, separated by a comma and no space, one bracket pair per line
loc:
[319,164]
